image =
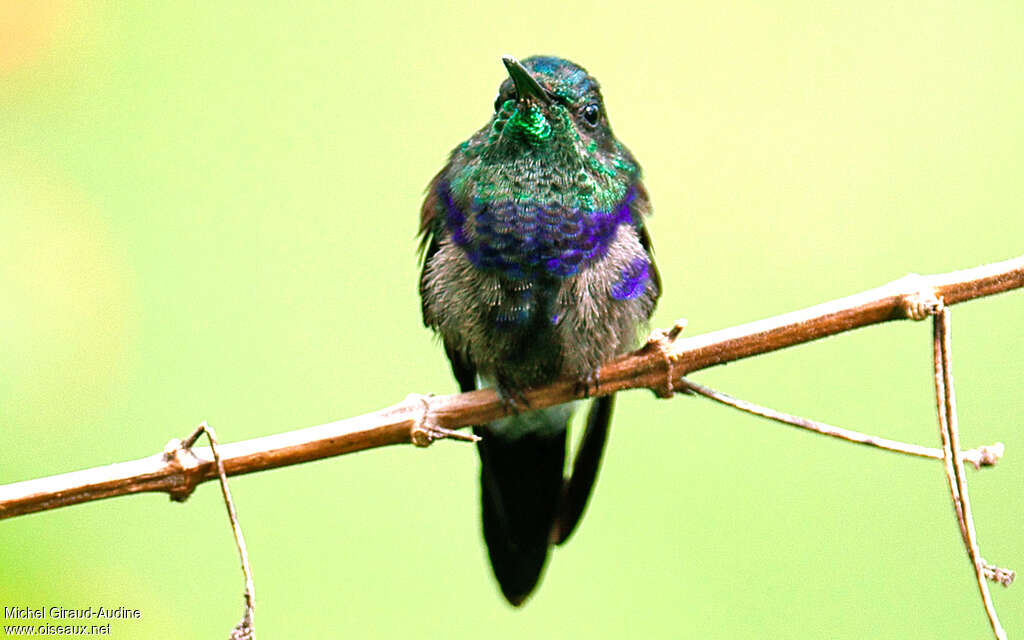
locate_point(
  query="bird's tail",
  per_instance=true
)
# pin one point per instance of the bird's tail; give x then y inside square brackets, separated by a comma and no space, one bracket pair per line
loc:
[521,482]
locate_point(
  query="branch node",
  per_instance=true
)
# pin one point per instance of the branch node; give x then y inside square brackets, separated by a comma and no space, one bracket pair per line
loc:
[425,429]
[661,340]
[677,329]
[986,456]
[178,455]
[1001,575]
[922,303]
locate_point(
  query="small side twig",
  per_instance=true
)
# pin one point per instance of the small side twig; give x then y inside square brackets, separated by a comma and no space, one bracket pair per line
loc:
[980,457]
[425,429]
[245,629]
[955,477]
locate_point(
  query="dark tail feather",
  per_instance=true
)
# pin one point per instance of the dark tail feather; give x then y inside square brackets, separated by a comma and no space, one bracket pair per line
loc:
[521,487]
[584,469]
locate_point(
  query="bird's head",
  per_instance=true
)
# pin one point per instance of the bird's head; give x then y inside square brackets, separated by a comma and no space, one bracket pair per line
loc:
[548,141]
[548,102]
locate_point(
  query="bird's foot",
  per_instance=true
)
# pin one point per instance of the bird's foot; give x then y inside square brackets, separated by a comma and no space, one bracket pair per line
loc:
[512,400]
[588,384]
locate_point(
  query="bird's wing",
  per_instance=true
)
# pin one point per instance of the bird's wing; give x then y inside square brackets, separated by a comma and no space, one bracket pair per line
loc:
[430,229]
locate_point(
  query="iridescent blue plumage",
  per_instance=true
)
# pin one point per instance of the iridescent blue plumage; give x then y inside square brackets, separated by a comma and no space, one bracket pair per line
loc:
[530,238]
[633,279]
[537,265]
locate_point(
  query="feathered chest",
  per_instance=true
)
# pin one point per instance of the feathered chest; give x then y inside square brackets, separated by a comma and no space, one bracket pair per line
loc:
[528,238]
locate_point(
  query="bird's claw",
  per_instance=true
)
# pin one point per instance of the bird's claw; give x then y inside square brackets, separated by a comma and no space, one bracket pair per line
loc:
[589,383]
[512,400]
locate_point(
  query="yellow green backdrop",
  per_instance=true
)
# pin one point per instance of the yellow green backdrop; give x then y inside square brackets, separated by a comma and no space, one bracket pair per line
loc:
[207,211]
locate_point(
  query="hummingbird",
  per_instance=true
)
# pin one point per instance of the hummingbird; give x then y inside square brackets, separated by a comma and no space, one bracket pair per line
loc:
[536,264]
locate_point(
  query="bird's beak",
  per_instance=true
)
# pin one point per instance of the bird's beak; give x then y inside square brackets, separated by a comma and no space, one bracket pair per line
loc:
[527,87]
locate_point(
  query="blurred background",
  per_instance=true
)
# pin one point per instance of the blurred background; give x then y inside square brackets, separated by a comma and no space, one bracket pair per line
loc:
[207,212]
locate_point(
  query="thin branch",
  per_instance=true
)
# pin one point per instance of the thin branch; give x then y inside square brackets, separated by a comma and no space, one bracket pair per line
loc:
[419,420]
[979,457]
[955,476]
[181,451]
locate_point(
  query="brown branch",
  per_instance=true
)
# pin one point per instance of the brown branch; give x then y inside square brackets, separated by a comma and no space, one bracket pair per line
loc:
[419,420]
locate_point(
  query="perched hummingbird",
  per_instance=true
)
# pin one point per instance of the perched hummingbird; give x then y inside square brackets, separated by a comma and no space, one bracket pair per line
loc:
[537,265]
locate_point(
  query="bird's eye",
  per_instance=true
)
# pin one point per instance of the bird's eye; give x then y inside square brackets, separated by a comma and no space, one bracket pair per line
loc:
[592,114]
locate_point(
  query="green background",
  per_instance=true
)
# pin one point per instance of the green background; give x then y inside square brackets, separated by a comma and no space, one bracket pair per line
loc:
[207,212]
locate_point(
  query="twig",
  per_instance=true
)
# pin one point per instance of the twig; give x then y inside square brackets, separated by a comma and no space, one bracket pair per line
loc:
[946,402]
[658,366]
[980,457]
[178,452]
